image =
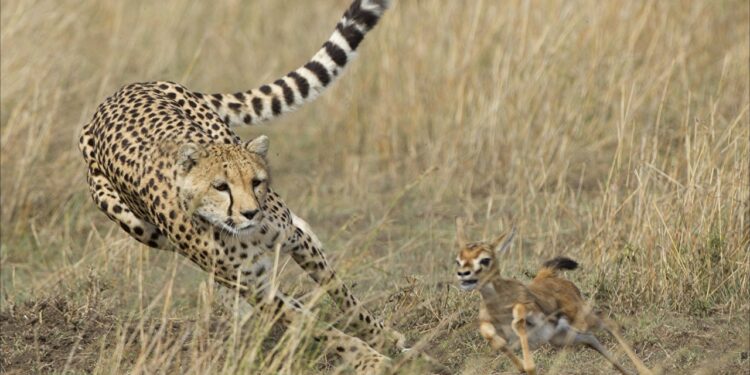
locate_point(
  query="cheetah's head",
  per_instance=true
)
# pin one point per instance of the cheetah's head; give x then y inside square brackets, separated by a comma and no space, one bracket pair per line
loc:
[225,185]
[477,260]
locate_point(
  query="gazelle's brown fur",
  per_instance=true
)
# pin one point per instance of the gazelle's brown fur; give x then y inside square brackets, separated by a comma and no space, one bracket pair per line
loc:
[548,310]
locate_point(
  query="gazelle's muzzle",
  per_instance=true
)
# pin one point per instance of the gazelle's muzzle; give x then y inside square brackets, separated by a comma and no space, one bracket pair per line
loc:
[467,279]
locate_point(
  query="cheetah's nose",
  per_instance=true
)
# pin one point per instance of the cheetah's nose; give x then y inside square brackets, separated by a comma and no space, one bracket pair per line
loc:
[249,214]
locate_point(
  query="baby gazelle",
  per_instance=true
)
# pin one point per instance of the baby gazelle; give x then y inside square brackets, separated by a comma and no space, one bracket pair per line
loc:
[548,310]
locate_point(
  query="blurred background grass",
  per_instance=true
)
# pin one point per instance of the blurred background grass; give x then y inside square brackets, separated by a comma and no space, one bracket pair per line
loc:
[616,133]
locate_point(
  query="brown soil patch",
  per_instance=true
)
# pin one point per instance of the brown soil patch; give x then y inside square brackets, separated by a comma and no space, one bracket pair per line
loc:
[52,335]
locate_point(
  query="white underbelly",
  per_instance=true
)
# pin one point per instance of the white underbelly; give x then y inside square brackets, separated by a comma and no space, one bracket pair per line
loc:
[540,331]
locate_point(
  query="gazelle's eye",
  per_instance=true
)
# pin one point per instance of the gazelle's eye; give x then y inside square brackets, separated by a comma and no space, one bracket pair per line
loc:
[221,186]
[485,261]
[458,263]
[257,182]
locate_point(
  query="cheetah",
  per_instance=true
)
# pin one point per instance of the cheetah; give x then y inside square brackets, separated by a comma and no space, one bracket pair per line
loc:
[548,310]
[165,164]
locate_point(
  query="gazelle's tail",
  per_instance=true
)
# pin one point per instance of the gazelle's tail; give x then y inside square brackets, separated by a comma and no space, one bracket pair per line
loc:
[550,267]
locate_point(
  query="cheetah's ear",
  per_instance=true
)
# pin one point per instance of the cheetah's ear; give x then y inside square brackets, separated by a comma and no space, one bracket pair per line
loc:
[258,145]
[502,243]
[188,156]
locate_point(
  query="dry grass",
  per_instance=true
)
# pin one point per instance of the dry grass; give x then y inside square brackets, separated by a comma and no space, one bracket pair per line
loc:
[614,132]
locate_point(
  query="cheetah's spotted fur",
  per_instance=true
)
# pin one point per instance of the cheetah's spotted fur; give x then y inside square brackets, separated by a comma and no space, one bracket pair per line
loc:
[164,163]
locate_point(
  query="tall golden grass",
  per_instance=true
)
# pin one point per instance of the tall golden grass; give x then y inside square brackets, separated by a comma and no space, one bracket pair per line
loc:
[614,132]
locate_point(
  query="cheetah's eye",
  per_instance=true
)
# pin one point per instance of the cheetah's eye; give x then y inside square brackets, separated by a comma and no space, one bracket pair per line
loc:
[222,186]
[257,182]
[485,262]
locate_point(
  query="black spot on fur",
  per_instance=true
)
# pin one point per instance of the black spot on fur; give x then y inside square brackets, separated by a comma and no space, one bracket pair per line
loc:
[352,35]
[275,106]
[336,53]
[288,93]
[235,106]
[302,85]
[320,71]
[257,106]
[362,16]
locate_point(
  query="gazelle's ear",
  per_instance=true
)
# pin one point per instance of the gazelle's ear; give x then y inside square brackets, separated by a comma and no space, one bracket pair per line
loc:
[502,243]
[258,145]
[188,156]
[460,236]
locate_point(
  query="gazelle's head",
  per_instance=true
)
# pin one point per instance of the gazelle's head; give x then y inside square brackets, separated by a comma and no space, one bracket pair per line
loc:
[477,260]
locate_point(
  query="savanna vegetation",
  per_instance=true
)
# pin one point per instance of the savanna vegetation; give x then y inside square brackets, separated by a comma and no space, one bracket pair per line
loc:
[613,132]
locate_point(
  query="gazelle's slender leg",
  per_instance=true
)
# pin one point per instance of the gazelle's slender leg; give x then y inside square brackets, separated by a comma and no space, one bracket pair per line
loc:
[592,342]
[611,327]
[498,343]
[519,327]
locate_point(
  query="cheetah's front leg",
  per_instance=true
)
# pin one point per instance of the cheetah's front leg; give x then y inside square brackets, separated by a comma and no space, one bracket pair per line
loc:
[307,251]
[256,295]
[355,352]
[109,201]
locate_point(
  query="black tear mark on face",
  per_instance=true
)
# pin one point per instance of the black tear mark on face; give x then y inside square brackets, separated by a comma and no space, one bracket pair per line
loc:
[188,164]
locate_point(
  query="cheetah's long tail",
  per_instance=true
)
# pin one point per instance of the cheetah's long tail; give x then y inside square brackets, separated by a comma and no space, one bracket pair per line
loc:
[307,82]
